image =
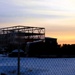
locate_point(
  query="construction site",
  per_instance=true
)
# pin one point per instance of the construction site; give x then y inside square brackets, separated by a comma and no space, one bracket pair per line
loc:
[20,35]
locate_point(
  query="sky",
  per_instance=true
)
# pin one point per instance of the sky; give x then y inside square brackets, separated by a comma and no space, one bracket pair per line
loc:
[56,16]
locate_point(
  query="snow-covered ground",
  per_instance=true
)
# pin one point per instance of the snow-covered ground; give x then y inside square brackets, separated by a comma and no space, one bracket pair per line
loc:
[38,66]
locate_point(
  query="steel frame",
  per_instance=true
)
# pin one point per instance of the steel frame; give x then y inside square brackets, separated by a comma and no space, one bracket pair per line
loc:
[24,34]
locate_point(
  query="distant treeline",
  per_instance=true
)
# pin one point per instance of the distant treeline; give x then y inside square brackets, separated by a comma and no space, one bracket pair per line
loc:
[42,49]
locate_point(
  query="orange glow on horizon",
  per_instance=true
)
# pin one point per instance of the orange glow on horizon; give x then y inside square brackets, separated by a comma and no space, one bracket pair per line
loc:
[63,38]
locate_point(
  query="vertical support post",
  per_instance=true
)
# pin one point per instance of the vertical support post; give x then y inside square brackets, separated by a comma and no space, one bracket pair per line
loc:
[32,34]
[18,61]
[18,54]
[44,34]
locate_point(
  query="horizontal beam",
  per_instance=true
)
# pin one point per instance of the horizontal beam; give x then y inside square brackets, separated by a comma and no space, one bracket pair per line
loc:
[18,27]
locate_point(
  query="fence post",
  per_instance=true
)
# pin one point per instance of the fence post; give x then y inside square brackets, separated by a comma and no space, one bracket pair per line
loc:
[18,61]
[18,54]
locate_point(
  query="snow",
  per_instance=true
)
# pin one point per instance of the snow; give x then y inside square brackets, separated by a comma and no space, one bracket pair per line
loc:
[3,55]
[38,66]
[16,50]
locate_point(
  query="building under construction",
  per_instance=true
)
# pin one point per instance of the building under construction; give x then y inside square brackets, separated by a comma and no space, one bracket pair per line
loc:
[21,34]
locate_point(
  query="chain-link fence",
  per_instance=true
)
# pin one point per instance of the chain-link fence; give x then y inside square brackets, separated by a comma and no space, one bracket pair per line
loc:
[36,66]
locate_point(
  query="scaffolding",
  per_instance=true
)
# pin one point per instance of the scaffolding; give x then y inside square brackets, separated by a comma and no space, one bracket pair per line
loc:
[11,35]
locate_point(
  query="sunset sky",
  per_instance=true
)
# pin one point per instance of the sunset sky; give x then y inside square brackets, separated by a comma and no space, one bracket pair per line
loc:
[57,16]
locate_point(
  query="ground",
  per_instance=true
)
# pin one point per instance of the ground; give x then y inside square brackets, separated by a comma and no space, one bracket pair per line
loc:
[38,66]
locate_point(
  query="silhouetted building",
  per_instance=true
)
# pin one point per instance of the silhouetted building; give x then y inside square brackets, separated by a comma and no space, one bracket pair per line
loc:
[51,41]
[20,34]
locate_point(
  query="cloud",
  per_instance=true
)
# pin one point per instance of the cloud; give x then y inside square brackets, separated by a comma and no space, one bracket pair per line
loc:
[24,9]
